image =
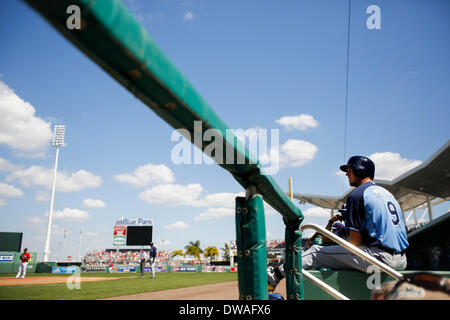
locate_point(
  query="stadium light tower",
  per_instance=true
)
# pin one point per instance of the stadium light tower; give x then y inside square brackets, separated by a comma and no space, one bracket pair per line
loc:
[57,141]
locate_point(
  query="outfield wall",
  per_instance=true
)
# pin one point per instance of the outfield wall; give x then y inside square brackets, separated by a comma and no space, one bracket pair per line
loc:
[171,269]
[49,268]
[10,262]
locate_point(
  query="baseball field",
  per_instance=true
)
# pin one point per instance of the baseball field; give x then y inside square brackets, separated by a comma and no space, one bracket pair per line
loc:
[190,286]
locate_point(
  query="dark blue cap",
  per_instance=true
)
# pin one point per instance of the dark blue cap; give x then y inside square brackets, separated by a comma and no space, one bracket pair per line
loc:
[362,166]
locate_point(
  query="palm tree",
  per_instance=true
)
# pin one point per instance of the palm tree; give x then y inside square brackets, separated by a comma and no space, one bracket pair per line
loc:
[193,249]
[226,251]
[176,253]
[211,252]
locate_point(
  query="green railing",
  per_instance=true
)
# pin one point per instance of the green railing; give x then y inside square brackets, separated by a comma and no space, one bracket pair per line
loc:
[112,37]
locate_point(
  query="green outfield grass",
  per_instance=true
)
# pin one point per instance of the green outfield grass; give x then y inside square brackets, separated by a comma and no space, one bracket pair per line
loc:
[127,284]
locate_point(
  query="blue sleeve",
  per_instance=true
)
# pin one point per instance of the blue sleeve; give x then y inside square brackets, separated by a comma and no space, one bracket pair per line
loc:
[355,212]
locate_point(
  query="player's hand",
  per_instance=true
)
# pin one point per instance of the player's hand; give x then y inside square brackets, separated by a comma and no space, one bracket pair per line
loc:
[336,218]
[275,273]
[272,280]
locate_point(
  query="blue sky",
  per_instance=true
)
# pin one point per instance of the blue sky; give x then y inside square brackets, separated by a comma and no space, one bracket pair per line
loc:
[259,64]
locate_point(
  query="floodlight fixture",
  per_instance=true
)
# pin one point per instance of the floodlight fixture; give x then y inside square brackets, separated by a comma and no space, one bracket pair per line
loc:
[59,133]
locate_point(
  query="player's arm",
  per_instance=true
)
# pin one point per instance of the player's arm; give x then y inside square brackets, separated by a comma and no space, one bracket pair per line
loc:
[310,241]
[355,238]
[354,219]
[329,225]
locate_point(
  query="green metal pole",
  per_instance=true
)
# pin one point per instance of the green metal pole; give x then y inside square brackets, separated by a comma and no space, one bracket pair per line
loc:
[251,246]
[293,263]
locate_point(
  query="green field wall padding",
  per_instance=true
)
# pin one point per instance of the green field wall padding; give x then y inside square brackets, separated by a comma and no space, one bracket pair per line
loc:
[251,247]
[293,263]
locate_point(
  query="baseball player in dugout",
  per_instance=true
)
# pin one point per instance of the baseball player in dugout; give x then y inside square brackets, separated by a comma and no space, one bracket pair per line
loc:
[373,220]
[24,257]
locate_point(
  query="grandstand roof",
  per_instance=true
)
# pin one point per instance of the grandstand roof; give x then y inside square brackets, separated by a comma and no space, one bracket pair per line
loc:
[428,181]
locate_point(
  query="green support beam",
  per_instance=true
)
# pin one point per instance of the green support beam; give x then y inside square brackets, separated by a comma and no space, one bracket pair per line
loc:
[293,261]
[251,247]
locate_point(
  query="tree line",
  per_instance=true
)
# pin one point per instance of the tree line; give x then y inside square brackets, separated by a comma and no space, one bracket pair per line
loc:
[192,249]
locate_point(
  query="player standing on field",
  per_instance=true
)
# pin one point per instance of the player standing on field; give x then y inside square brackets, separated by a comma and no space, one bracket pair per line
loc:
[23,263]
[152,259]
[143,257]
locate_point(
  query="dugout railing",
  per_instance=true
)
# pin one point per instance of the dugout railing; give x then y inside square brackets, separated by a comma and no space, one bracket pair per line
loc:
[111,36]
[353,249]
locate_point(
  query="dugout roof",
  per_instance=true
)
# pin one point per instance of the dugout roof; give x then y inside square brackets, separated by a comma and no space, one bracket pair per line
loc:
[428,181]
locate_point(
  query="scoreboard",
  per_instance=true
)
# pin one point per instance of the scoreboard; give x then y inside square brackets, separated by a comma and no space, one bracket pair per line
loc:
[139,235]
[11,241]
[133,232]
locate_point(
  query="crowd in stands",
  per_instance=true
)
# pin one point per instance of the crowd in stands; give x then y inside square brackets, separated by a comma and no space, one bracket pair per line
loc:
[131,257]
[275,244]
[270,244]
[124,258]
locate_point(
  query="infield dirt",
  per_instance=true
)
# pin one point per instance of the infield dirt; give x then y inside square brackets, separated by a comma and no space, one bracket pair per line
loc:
[217,291]
[45,280]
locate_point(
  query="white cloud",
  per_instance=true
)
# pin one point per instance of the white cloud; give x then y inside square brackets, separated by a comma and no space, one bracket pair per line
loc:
[293,153]
[179,225]
[20,128]
[296,153]
[77,181]
[5,165]
[188,195]
[223,199]
[162,242]
[39,226]
[8,191]
[93,203]
[42,196]
[317,212]
[65,182]
[35,220]
[188,15]
[301,122]
[92,234]
[390,165]
[214,213]
[146,175]
[69,214]
[172,194]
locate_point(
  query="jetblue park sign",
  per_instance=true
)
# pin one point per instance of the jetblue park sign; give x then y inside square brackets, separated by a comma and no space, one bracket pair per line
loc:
[134,222]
